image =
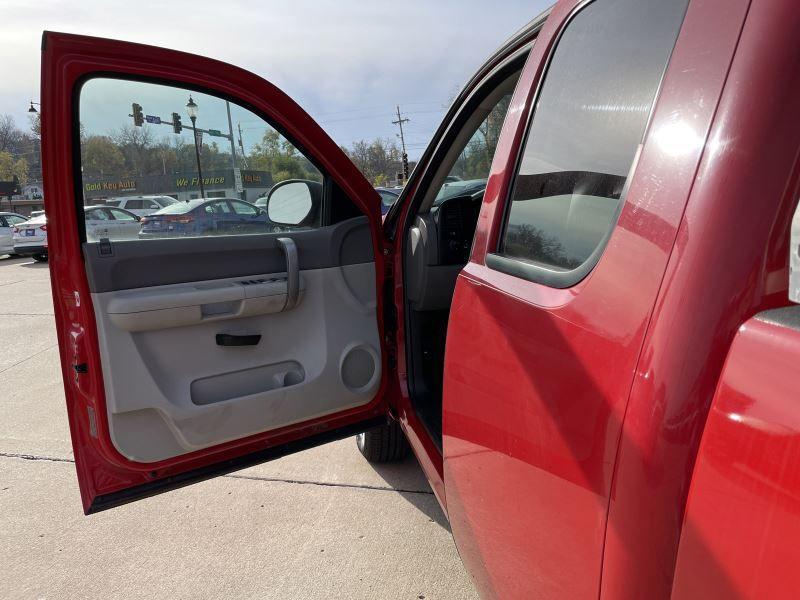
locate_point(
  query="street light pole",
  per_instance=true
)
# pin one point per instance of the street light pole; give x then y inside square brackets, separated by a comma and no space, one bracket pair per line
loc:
[192,111]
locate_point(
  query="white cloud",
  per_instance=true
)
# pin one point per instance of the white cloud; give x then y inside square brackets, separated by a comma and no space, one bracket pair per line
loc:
[347,62]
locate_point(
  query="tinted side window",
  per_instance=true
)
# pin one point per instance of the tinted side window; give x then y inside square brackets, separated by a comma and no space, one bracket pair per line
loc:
[97,215]
[134,204]
[121,215]
[218,208]
[240,208]
[590,118]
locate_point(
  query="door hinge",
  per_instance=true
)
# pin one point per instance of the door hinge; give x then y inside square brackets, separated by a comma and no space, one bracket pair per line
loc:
[81,368]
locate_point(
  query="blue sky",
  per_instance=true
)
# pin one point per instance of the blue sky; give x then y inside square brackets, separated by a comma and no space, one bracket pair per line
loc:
[347,62]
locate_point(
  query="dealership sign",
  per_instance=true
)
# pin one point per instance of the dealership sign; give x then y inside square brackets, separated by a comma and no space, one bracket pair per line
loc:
[182,182]
[126,185]
[172,184]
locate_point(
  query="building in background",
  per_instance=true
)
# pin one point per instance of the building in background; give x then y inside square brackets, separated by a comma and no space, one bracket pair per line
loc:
[218,184]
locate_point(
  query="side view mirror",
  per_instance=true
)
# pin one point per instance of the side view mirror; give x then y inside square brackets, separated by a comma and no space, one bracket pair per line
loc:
[137,217]
[294,202]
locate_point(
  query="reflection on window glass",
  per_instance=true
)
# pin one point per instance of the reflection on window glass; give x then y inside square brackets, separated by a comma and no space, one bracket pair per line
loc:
[183,163]
[471,169]
[589,121]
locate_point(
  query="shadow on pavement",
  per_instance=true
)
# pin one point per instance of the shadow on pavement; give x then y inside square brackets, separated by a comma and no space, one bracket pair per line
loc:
[35,265]
[5,258]
[408,479]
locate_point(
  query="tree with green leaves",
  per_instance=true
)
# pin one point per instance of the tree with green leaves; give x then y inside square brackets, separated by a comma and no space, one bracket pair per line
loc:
[280,158]
[101,156]
[13,168]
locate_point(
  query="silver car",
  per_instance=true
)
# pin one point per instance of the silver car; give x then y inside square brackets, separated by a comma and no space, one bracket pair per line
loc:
[142,206]
[7,222]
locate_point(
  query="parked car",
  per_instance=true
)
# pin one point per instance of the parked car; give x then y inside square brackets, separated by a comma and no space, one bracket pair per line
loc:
[29,238]
[595,358]
[217,216]
[388,197]
[7,222]
[111,223]
[141,205]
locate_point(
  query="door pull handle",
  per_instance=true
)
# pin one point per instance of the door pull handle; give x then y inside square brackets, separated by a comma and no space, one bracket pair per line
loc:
[229,339]
[292,271]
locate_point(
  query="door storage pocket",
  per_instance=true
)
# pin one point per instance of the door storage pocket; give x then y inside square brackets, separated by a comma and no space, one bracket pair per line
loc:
[238,384]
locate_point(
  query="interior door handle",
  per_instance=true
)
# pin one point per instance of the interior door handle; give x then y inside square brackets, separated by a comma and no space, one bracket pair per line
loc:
[229,339]
[292,271]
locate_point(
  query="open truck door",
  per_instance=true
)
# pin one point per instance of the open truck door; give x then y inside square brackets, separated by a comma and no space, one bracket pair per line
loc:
[229,332]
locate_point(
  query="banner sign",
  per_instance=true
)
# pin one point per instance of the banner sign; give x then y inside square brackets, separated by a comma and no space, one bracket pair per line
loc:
[127,185]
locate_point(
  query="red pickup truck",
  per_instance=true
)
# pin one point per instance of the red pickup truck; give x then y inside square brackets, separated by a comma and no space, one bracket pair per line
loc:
[594,359]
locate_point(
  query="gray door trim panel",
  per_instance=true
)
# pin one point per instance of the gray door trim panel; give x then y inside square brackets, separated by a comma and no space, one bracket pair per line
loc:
[145,263]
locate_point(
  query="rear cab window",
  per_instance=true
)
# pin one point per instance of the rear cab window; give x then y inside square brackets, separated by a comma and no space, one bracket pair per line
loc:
[581,145]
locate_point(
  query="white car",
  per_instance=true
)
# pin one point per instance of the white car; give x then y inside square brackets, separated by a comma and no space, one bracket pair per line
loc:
[141,205]
[110,222]
[30,238]
[7,222]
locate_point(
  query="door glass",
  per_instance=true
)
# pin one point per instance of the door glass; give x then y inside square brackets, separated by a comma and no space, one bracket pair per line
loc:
[121,215]
[217,208]
[240,208]
[471,169]
[146,139]
[590,118]
[96,215]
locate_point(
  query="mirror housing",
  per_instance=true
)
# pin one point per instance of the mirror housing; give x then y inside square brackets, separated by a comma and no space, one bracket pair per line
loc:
[294,202]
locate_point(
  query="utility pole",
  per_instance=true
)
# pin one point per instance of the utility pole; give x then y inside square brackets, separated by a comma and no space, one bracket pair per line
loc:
[400,121]
[241,146]
[230,130]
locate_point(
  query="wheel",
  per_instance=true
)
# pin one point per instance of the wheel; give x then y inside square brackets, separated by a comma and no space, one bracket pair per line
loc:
[40,257]
[385,443]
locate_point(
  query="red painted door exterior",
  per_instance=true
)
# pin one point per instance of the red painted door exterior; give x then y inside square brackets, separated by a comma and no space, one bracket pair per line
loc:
[537,379]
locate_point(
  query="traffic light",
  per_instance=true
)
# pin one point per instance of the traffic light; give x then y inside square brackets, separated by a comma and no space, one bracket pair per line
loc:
[177,127]
[405,165]
[138,116]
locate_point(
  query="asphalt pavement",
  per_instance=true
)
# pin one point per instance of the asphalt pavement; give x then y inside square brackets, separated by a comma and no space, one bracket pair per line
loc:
[322,523]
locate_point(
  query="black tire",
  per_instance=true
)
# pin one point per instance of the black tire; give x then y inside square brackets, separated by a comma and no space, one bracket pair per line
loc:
[40,257]
[385,443]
